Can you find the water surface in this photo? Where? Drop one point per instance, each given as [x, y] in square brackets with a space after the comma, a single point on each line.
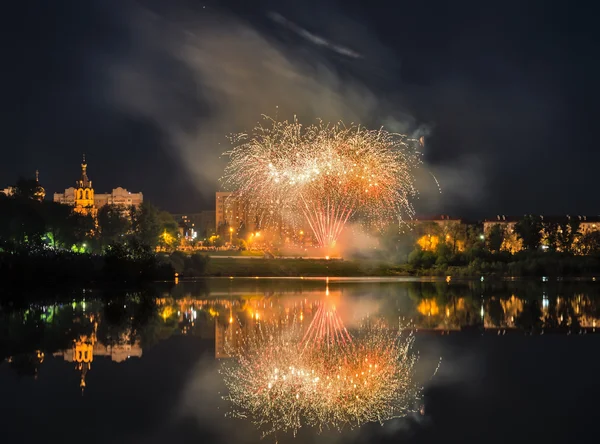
[519, 359]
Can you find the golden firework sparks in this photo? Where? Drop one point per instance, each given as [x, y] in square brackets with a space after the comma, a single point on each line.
[325, 173]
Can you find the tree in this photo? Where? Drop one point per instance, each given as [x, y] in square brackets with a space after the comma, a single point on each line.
[455, 235]
[568, 233]
[21, 222]
[59, 225]
[474, 239]
[113, 224]
[146, 225]
[551, 233]
[29, 189]
[430, 234]
[215, 241]
[529, 230]
[83, 226]
[495, 238]
[169, 231]
[590, 243]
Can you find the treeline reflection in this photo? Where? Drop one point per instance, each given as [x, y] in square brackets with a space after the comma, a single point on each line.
[119, 326]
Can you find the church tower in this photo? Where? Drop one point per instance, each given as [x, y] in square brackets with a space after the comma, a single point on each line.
[84, 193]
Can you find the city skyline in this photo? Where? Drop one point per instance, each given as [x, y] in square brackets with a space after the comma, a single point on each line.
[217, 206]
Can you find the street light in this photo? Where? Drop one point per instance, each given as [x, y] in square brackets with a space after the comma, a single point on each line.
[230, 234]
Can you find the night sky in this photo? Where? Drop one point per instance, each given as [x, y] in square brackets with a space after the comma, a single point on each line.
[505, 92]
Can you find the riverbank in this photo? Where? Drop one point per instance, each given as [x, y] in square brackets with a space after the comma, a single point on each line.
[59, 268]
[227, 266]
[121, 266]
[525, 266]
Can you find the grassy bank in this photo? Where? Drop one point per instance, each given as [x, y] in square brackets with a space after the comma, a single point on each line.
[301, 267]
[544, 265]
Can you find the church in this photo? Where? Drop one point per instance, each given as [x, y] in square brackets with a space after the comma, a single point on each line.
[86, 201]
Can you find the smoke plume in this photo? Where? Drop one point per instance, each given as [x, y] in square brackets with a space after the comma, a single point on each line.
[200, 76]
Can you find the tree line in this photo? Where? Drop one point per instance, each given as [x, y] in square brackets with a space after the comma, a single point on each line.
[28, 223]
[532, 246]
[533, 232]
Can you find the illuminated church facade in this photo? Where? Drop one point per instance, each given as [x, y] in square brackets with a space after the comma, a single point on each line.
[86, 201]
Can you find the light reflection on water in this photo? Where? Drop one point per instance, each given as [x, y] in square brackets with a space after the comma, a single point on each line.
[118, 325]
[88, 329]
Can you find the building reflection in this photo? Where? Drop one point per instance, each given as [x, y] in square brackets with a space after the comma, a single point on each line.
[118, 329]
[87, 346]
[426, 312]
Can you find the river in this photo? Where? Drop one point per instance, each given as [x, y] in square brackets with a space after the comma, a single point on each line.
[499, 361]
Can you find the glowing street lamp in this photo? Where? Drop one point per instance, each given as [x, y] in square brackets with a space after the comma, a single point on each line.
[230, 234]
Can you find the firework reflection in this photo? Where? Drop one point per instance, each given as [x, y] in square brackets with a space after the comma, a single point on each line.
[286, 373]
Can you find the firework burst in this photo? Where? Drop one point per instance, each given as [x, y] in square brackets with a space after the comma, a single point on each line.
[281, 385]
[324, 173]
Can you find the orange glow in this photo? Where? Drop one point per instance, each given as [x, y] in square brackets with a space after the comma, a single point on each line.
[428, 242]
[166, 313]
[428, 307]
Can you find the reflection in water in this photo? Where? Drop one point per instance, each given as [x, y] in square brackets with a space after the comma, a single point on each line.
[76, 332]
[85, 347]
[120, 325]
[288, 373]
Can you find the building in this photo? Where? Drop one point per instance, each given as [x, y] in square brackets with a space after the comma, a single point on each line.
[119, 196]
[85, 347]
[587, 224]
[441, 220]
[226, 209]
[85, 200]
[202, 223]
[8, 191]
[506, 222]
[232, 212]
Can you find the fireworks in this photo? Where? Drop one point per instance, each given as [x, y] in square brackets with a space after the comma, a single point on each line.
[281, 384]
[324, 173]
